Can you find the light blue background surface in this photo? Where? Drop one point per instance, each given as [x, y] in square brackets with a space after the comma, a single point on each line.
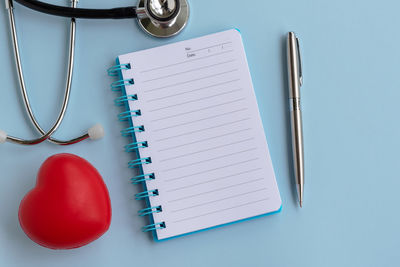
[351, 132]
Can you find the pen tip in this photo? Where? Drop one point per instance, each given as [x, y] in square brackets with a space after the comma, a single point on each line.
[300, 194]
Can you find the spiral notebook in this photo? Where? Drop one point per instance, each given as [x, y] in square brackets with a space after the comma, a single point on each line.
[197, 133]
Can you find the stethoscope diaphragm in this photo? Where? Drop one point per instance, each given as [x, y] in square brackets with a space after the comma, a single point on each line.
[163, 18]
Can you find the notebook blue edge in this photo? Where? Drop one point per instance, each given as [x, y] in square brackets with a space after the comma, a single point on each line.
[151, 221]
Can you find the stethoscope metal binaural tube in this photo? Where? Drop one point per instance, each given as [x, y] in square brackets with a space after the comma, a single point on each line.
[160, 18]
[46, 136]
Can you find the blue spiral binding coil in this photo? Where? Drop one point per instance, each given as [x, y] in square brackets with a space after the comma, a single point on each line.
[117, 86]
[151, 210]
[136, 145]
[137, 162]
[146, 194]
[131, 131]
[142, 178]
[154, 226]
[114, 70]
[120, 101]
[124, 116]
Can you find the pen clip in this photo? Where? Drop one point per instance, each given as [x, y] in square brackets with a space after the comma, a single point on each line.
[300, 63]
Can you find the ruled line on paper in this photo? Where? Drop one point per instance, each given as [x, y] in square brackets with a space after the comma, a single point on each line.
[210, 170]
[205, 150]
[187, 71]
[202, 140]
[190, 91]
[187, 61]
[217, 211]
[215, 190]
[196, 100]
[189, 81]
[213, 180]
[202, 130]
[203, 119]
[200, 109]
[210, 159]
[220, 199]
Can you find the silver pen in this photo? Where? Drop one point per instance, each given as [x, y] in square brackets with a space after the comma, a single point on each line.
[295, 82]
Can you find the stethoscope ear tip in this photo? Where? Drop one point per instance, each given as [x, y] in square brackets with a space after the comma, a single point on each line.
[95, 132]
[3, 137]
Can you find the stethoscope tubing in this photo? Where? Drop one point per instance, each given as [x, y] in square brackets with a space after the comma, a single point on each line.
[45, 135]
[80, 13]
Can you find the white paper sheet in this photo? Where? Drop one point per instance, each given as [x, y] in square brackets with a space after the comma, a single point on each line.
[206, 140]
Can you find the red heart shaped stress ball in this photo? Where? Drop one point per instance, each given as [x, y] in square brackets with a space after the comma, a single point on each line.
[69, 206]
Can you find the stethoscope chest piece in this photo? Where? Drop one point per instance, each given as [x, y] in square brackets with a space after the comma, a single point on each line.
[162, 18]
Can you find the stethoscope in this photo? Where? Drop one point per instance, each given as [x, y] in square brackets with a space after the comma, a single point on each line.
[159, 18]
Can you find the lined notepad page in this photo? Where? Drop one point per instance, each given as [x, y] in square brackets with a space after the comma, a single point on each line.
[205, 136]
